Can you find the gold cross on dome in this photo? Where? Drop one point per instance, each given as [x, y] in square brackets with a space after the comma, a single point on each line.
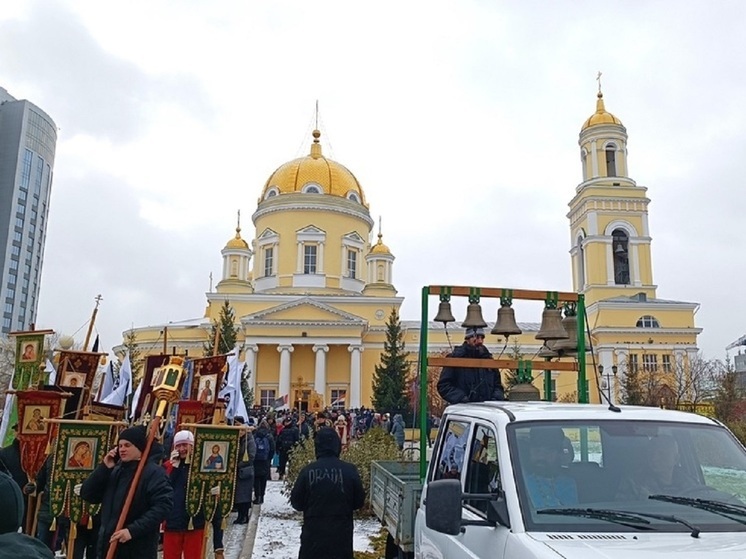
[598, 79]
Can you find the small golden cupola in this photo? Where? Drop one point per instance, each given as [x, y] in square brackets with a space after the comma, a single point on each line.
[380, 269]
[314, 174]
[603, 147]
[236, 264]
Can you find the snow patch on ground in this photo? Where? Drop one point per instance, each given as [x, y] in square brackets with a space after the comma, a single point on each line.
[278, 532]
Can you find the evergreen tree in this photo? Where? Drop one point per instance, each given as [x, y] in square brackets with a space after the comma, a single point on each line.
[136, 360]
[228, 334]
[633, 391]
[511, 377]
[225, 324]
[390, 377]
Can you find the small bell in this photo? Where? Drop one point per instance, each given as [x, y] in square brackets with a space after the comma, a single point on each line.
[551, 325]
[506, 324]
[444, 313]
[547, 351]
[569, 345]
[474, 317]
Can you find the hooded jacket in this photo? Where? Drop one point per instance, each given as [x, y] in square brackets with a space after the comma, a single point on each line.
[327, 491]
[151, 504]
[12, 544]
[397, 430]
[461, 384]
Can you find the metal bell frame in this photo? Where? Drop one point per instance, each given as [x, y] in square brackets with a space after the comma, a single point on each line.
[475, 294]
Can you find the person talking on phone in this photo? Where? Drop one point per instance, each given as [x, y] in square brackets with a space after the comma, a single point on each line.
[109, 484]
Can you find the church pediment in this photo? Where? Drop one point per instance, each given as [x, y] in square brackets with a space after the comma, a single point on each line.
[305, 310]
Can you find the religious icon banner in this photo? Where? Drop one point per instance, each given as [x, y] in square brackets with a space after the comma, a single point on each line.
[208, 378]
[213, 464]
[191, 411]
[29, 354]
[81, 446]
[35, 407]
[77, 369]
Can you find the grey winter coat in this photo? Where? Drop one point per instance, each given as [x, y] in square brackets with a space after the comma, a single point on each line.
[397, 430]
[245, 471]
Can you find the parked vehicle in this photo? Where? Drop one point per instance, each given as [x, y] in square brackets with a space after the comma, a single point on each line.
[535, 480]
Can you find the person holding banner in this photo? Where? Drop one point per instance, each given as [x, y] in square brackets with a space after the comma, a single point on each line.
[13, 544]
[179, 540]
[109, 484]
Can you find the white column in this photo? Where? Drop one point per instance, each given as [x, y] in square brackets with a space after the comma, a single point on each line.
[285, 351]
[250, 360]
[609, 263]
[634, 264]
[319, 380]
[594, 159]
[299, 265]
[355, 374]
[320, 264]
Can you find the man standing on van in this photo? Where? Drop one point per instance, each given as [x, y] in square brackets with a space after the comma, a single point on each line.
[465, 384]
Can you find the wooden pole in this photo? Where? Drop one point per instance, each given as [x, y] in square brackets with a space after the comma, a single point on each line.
[152, 433]
[165, 340]
[91, 323]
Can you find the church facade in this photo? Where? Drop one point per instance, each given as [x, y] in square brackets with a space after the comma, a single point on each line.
[313, 288]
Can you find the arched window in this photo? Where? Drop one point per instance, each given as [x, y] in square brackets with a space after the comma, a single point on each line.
[611, 160]
[620, 249]
[648, 321]
[312, 188]
[271, 193]
[584, 160]
[581, 264]
[354, 197]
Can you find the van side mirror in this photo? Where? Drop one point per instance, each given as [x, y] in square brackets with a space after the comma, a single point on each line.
[443, 506]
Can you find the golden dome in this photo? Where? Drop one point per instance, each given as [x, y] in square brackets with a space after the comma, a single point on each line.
[601, 116]
[237, 241]
[379, 247]
[314, 170]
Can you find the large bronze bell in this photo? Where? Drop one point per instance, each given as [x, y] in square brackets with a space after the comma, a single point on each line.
[506, 324]
[551, 326]
[524, 392]
[569, 345]
[547, 351]
[474, 317]
[444, 313]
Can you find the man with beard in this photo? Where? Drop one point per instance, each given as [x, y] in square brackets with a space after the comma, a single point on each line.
[547, 483]
[470, 384]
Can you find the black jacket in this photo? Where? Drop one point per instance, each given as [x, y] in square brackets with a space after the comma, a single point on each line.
[10, 463]
[288, 438]
[152, 502]
[327, 491]
[461, 384]
[262, 467]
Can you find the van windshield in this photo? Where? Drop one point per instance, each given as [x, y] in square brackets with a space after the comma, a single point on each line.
[614, 469]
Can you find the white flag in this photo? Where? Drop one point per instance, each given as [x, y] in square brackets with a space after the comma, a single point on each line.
[119, 395]
[49, 368]
[228, 389]
[107, 384]
[135, 400]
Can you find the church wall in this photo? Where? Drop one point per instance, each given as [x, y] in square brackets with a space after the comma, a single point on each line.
[267, 366]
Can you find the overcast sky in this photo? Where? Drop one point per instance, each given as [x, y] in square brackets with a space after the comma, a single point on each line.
[460, 119]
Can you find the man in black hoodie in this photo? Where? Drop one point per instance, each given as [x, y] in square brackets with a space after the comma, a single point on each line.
[109, 484]
[465, 384]
[12, 544]
[327, 491]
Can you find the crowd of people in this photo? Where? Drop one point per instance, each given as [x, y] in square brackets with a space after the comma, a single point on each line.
[158, 516]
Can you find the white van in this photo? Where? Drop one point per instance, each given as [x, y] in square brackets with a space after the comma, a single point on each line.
[535, 480]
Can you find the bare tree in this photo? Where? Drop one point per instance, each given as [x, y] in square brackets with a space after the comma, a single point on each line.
[691, 379]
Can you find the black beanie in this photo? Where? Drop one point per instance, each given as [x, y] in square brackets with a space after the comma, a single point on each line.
[137, 435]
[11, 503]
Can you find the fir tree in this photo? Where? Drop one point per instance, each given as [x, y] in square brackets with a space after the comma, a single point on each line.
[130, 342]
[633, 392]
[390, 377]
[228, 334]
[511, 377]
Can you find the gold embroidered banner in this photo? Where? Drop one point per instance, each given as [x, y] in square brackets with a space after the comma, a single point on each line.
[29, 371]
[35, 407]
[81, 446]
[213, 464]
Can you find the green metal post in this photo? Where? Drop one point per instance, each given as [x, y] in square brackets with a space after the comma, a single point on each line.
[582, 384]
[547, 385]
[423, 384]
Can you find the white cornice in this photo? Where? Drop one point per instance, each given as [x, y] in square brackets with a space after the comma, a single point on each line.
[312, 202]
[649, 331]
[331, 299]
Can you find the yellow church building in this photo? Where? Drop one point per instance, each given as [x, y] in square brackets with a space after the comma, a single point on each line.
[313, 288]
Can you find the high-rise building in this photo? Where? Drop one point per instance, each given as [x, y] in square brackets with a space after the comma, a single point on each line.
[28, 137]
